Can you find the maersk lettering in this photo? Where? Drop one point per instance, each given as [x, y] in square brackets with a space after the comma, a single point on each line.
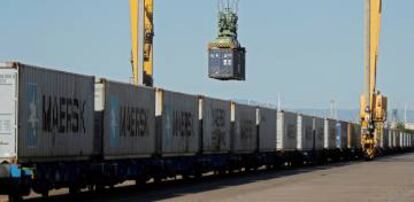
[63, 115]
[134, 122]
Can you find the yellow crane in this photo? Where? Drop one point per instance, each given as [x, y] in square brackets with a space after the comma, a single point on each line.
[373, 109]
[142, 41]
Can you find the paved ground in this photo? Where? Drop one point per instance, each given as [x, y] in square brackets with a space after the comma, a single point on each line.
[387, 179]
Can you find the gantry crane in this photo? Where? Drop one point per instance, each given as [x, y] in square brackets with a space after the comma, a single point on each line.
[373, 109]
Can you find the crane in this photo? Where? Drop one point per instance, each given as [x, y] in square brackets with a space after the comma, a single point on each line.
[373, 105]
[142, 15]
[229, 65]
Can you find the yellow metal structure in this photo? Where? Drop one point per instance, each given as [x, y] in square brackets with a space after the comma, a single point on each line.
[373, 105]
[142, 34]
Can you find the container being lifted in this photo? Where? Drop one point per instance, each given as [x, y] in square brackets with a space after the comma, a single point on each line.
[226, 56]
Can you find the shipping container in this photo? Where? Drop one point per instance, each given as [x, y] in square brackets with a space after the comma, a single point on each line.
[341, 134]
[351, 131]
[216, 124]
[390, 138]
[286, 131]
[318, 127]
[305, 135]
[397, 139]
[177, 123]
[385, 138]
[227, 63]
[267, 129]
[125, 119]
[244, 137]
[45, 115]
[394, 135]
[356, 137]
[330, 134]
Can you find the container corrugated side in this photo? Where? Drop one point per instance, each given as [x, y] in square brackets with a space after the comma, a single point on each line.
[305, 140]
[341, 134]
[128, 121]
[384, 142]
[55, 115]
[356, 139]
[397, 139]
[319, 132]
[390, 138]
[177, 127]
[216, 124]
[330, 134]
[286, 131]
[267, 129]
[244, 137]
[350, 134]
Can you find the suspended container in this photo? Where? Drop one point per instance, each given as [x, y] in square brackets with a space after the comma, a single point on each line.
[226, 57]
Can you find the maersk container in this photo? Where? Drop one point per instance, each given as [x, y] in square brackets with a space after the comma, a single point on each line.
[177, 123]
[397, 139]
[392, 139]
[350, 135]
[267, 129]
[305, 135]
[216, 126]
[125, 116]
[318, 126]
[244, 137]
[385, 139]
[356, 137]
[45, 115]
[330, 134]
[341, 134]
[286, 131]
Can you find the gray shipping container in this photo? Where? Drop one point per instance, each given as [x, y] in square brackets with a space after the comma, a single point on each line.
[319, 132]
[341, 134]
[125, 116]
[45, 115]
[384, 141]
[244, 137]
[356, 137]
[177, 123]
[330, 134]
[215, 116]
[286, 131]
[305, 140]
[390, 138]
[397, 139]
[267, 129]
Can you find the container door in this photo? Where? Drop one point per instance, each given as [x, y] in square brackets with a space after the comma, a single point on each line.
[7, 114]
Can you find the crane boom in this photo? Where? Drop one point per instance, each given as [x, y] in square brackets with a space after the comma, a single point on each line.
[373, 104]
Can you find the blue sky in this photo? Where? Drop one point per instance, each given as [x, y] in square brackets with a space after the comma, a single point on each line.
[308, 51]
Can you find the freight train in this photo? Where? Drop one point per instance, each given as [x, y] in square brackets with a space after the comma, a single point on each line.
[59, 129]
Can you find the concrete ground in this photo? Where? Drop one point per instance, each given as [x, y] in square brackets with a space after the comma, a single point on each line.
[386, 179]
